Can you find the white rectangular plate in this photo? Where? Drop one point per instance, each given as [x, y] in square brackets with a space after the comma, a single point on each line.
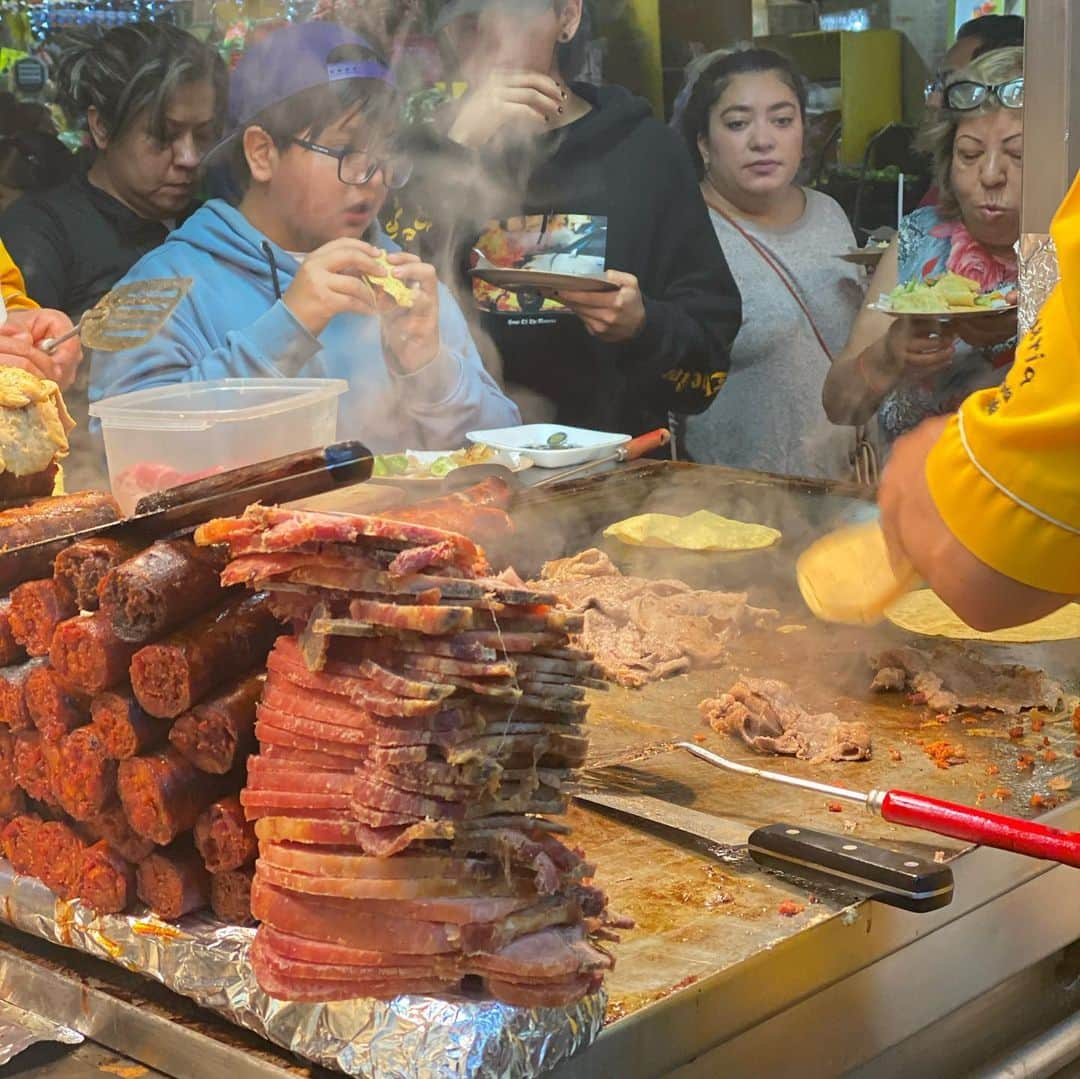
[583, 444]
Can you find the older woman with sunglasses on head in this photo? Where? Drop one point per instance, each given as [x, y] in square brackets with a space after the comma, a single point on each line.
[905, 370]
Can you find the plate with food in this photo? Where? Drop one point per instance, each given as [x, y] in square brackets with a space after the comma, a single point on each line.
[870, 255]
[542, 280]
[551, 445]
[949, 296]
[435, 465]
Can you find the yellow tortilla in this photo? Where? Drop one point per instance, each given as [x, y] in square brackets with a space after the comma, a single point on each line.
[847, 576]
[393, 286]
[924, 612]
[701, 531]
[34, 422]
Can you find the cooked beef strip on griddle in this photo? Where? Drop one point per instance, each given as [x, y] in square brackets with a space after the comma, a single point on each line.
[950, 678]
[765, 714]
[642, 630]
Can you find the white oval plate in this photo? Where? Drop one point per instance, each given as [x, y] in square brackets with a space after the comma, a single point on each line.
[941, 316]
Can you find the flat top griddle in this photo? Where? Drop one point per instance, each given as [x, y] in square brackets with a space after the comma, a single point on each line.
[697, 915]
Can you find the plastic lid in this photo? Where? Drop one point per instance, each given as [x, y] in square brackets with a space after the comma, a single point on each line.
[198, 406]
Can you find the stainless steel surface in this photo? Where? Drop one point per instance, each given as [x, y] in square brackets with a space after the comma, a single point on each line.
[704, 826]
[94, 1004]
[1051, 108]
[715, 981]
[87, 1061]
[1010, 1014]
[1042, 1057]
[21, 1029]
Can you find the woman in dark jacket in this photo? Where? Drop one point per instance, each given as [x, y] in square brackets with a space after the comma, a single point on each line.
[533, 168]
[153, 97]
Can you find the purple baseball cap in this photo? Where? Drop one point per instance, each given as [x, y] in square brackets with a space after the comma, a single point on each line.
[289, 61]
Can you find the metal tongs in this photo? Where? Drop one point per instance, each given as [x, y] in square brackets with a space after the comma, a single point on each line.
[931, 814]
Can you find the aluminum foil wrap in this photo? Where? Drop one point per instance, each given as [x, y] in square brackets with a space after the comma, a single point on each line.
[20, 1029]
[410, 1036]
[1039, 274]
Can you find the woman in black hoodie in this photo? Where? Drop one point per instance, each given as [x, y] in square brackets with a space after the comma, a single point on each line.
[530, 161]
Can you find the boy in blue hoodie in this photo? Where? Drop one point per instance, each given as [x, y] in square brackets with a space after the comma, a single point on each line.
[280, 276]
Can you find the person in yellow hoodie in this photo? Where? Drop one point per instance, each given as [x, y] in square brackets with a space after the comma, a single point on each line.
[986, 504]
[24, 326]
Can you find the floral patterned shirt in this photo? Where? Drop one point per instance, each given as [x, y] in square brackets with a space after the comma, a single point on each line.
[929, 246]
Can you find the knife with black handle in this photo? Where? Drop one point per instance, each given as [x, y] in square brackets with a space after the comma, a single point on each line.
[850, 865]
[818, 858]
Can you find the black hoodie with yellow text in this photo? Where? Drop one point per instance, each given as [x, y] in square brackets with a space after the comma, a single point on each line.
[613, 190]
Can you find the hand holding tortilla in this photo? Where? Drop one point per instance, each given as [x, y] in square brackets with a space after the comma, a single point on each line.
[848, 576]
[410, 329]
[701, 531]
[334, 280]
[394, 287]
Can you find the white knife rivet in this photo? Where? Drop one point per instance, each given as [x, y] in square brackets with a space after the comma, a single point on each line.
[792, 831]
[850, 846]
[911, 865]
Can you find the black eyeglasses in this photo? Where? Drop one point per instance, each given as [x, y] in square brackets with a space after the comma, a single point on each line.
[965, 96]
[357, 167]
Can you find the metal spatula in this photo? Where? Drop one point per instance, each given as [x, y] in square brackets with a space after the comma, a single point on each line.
[128, 316]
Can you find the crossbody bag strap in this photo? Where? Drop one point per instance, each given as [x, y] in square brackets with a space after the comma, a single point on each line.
[864, 456]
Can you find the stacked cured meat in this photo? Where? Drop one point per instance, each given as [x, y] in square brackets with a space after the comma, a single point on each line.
[127, 708]
[415, 735]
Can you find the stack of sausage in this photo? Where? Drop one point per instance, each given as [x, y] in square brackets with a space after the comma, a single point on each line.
[415, 735]
[127, 708]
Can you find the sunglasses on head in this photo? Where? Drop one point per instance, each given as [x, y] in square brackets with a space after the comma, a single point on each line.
[965, 96]
[936, 85]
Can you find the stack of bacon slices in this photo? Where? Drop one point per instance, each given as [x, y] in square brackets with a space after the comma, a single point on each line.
[415, 733]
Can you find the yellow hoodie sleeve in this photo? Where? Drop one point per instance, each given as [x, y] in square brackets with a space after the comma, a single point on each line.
[1005, 476]
[11, 283]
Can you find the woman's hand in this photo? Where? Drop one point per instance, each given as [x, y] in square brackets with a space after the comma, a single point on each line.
[411, 334]
[987, 330]
[21, 338]
[917, 348]
[610, 316]
[515, 100]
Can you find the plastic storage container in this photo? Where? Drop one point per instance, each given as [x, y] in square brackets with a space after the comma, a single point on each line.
[167, 435]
